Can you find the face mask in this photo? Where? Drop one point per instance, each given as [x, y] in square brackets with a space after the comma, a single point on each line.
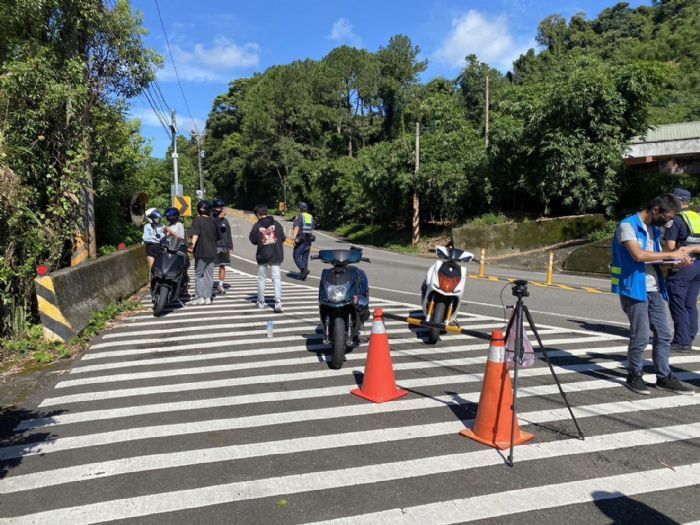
[215, 213]
[156, 220]
[661, 222]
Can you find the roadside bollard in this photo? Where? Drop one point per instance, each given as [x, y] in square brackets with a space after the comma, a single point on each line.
[482, 263]
[550, 268]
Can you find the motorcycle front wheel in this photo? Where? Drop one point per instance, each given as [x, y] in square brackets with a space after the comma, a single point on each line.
[339, 343]
[437, 317]
[161, 300]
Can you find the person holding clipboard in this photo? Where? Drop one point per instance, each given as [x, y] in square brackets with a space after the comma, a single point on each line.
[636, 277]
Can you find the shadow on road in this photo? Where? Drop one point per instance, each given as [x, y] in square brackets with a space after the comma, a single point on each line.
[619, 331]
[623, 509]
[10, 417]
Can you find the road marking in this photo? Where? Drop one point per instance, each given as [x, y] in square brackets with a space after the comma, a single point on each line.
[490, 505]
[157, 408]
[296, 361]
[294, 445]
[274, 378]
[531, 499]
[196, 427]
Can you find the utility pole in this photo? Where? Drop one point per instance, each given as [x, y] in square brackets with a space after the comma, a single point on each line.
[416, 202]
[197, 140]
[486, 115]
[173, 128]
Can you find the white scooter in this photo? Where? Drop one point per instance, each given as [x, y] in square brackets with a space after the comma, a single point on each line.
[443, 287]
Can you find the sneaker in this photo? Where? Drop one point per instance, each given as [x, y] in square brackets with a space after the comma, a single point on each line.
[278, 308]
[260, 305]
[637, 385]
[305, 274]
[221, 290]
[207, 300]
[681, 348]
[672, 384]
[198, 301]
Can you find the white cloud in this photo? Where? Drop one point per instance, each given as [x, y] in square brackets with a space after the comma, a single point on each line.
[184, 124]
[489, 39]
[211, 64]
[342, 31]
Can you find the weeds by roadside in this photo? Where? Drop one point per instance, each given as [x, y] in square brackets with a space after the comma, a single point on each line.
[33, 347]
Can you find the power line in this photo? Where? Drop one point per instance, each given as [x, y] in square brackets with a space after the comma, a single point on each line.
[172, 59]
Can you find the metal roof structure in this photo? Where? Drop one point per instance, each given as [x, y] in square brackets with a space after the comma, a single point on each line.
[668, 132]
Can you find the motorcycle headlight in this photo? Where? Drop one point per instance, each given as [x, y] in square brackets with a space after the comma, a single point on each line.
[336, 292]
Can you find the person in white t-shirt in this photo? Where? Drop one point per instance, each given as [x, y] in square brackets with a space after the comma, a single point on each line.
[175, 227]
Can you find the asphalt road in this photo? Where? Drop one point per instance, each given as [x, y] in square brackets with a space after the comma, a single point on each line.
[198, 417]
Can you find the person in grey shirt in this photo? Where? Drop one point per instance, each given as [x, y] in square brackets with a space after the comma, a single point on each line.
[637, 279]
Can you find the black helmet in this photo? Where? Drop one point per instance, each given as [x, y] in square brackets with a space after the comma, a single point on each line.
[303, 206]
[218, 203]
[204, 207]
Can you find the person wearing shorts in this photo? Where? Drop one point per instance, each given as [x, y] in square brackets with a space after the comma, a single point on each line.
[224, 247]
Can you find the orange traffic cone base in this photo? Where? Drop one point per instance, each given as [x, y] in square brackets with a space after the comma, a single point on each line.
[380, 399]
[524, 437]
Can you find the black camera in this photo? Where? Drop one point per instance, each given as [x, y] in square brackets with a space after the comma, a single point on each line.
[520, 289]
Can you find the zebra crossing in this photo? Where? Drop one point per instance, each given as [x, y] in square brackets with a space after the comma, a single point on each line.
[199, 417]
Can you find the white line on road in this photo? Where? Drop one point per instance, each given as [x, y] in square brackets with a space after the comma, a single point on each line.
[472, 508]
[301, 444]
[196, 427]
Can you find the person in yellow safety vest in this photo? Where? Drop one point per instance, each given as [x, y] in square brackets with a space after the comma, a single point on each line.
[303, 237]
[684, 283]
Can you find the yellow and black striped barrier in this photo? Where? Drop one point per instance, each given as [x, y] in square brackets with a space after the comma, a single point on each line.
[56, 326]
[415, 321]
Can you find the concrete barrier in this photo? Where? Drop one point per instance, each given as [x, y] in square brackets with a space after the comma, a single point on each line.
[68, 298]
[518, 237]
[591, 258]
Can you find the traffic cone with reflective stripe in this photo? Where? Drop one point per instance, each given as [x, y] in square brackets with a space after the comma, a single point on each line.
[379, 384]
[495, 413]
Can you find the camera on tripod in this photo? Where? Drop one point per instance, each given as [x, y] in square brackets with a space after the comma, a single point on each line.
[519, 289]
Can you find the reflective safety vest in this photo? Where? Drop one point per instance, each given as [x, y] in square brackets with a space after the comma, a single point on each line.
[692, 221]
[308, 225]
[627, 276]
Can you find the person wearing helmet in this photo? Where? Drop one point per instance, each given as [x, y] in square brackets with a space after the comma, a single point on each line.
[205, 235]
[224, 248]
[152, 234]
[175, 228]
[303, 237]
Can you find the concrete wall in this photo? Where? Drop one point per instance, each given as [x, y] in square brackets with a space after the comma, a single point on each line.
[516, 237]
[68, 298]
[591, 258]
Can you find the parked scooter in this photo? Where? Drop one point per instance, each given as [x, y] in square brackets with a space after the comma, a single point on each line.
[343, 297]
[443, 287]
[169, 274]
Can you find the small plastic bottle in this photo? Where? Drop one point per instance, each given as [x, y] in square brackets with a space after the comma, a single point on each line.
[270, 328]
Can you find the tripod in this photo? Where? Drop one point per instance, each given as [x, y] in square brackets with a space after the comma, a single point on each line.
[520, 313]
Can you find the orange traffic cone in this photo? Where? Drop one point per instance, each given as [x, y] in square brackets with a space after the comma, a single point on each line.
[495, 413]
[379, 384]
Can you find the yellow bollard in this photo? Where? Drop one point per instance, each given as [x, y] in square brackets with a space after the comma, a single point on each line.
[482, 263]
[550, 268]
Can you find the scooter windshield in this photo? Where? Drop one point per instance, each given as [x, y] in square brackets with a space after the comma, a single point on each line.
[340, 256]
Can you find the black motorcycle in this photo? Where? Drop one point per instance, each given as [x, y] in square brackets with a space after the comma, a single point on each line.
[169, 274]
[343, 300]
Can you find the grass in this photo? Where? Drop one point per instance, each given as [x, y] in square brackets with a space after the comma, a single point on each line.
[32, 346]
[394, 240]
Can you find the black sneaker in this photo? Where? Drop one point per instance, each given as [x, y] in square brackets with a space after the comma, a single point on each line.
[305, 274]
[672, 384]
[637, 385]
[681, 348]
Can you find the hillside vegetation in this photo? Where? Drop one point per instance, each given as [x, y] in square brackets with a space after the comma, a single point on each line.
[339, 132]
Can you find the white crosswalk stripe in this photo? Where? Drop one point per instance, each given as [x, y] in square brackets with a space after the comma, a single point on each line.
[203, 401]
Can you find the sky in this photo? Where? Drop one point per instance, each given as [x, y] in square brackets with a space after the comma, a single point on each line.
[216, 41]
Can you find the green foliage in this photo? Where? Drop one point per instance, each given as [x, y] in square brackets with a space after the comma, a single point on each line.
[66, 71]
[605, 232]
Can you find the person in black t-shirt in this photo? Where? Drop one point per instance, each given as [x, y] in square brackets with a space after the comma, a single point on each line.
[205, 235]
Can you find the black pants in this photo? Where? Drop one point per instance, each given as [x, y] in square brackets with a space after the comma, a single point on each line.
[301, 255]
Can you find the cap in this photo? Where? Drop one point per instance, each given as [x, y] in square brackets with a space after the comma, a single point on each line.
[682, 194]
